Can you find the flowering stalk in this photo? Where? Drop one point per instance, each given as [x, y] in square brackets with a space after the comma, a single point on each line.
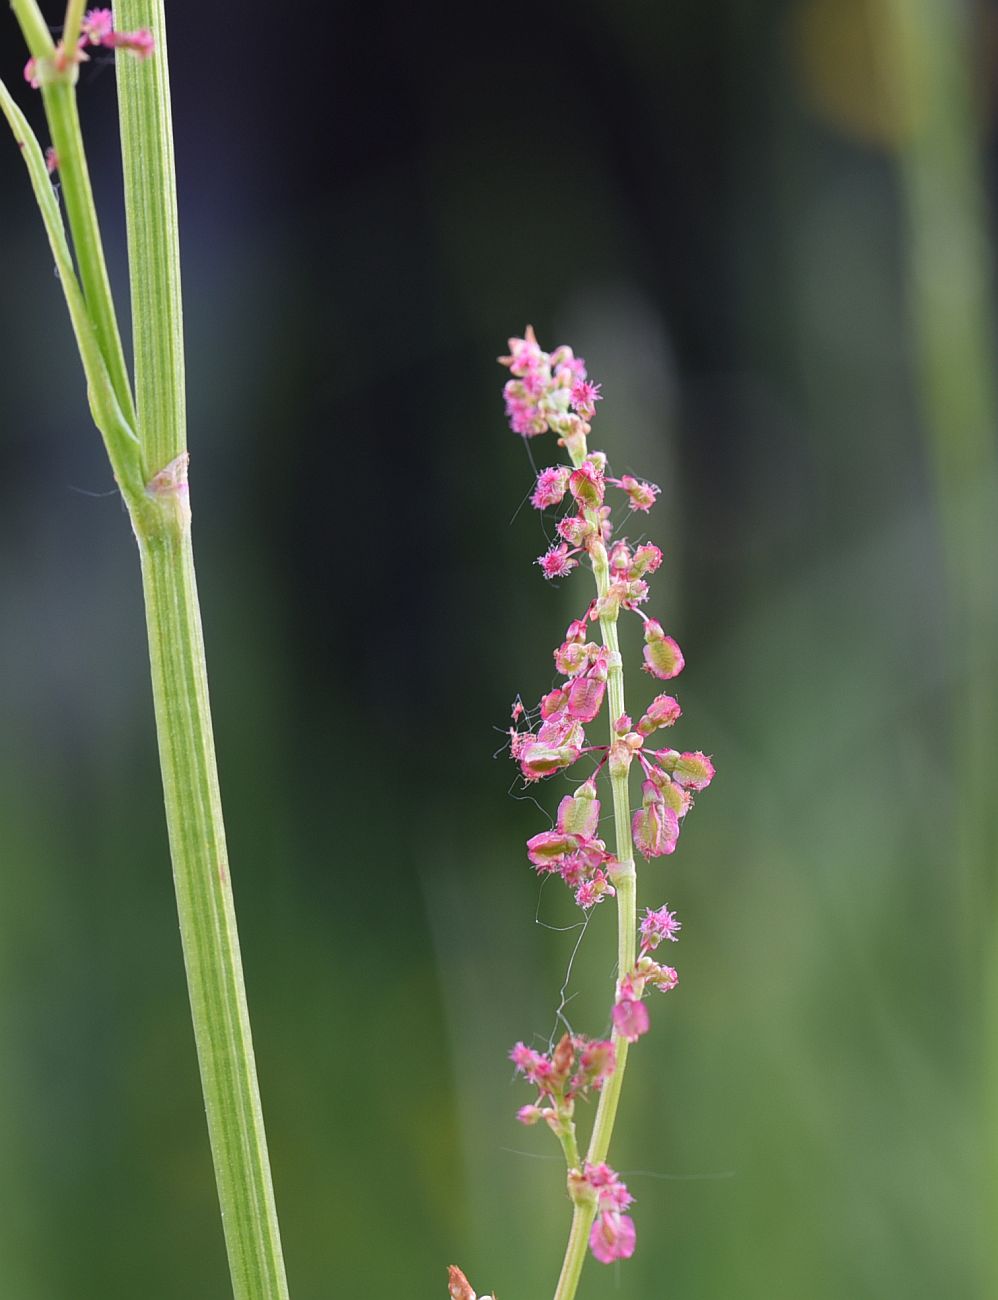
[146, 444]
[551, 392]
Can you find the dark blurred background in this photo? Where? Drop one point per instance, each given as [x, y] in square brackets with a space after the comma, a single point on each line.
[768, 227]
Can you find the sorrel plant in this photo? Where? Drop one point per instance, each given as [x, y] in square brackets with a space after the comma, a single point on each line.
[551, 392]
[144, 432]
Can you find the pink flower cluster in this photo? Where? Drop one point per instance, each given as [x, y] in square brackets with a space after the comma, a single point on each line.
[612, 1235]
[589, 523]
[96, 28]
[630, 1015]
[573, 848]
[552, 392]
[547, 391]
[575, 1066]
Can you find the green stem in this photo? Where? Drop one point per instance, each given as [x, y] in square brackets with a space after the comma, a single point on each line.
[625, 882]
[37, 36]
[78, 197]
[151, 468]
[180, 691]
[71, 26]
[58, 91]
[575, 1253]
[205, 906]
[120, 439]
[153, 236]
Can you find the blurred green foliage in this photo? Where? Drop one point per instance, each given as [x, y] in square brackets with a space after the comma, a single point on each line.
[736, 216]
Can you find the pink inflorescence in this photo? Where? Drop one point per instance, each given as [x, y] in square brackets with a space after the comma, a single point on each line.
[574, 1068]
[96, 28]
[612, 1235]
[551, 392]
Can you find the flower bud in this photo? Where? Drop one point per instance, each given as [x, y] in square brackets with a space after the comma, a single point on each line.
[458, 1285]
[563, 1056]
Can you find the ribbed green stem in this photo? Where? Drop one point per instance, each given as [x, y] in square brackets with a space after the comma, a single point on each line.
[153, 237]
[59, 97]
[150, 464]
[207, 918]
[626, 886]
[190, 782]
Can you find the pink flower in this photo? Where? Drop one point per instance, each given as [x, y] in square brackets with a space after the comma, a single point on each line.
[665, 978]
[584, 397]
[662, 712]
[529, 1114]
[31, 74]
[657, 926]
[574, 530]
[524, 417]
[97, 26]
[140, 43]
[560, 729]
[51, 160]
[663, 658]
[538, 760]
[524, 1057]
[593, 891]
[547, 849]
[566, 365]
[647, 558]
[612, 1237]
[552, 485]
[693, 771]
[642, 495]
[553, 703]
[586, 485]
[572, 657]
[655, 825]
[578, 814]
[597, 1061]
[556, 562]
[585, 698]
[525, 354]
[630, 1019]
